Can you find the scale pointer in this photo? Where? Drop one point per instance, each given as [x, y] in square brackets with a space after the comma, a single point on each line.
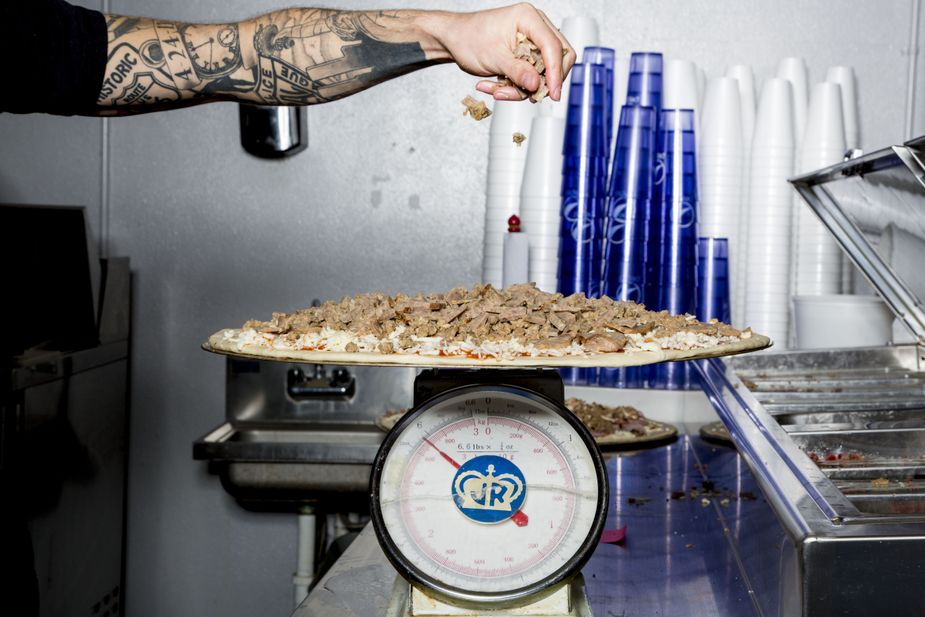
[520, 519]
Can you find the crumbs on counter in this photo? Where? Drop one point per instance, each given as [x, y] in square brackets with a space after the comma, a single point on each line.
[707, 492]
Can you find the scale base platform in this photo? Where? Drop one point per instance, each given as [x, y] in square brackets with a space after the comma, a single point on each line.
[569, 600]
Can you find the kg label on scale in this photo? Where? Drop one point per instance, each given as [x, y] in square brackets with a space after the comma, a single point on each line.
[488, 493]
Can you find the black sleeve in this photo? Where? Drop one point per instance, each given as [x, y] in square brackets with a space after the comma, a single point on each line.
[54, 55]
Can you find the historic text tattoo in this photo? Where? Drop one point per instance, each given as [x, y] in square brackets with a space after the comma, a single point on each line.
[288, 57]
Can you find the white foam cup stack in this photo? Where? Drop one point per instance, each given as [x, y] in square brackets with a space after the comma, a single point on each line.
[745, 79]
[720, 159]
[542, 175]
[701, 88]
[831, 321]
[767, 284]
[680, 85]
[817, 255]
[825, 127]
[580, 31]
[540, 199]
[681, 89]
[794, 70]
[509, 117]
[844, 77]
[506, 163]
[720, 165]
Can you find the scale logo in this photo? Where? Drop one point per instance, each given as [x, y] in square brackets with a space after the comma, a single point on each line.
[489, 489]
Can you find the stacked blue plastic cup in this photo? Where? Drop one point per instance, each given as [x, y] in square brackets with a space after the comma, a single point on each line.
[645, 80]
[644, 87]
[713, 279]
[584, 188]
[605, 56]
[584, 181]
[626, 227]
[677, 268]
[628, 205]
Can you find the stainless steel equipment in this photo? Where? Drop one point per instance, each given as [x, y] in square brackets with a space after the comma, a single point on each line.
[297, 433]
[63, 434]
[836, 439]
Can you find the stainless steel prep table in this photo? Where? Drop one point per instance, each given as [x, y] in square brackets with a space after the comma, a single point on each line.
[681, 557]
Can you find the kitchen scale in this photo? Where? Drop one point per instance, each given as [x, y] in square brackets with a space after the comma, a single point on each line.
[488, 497]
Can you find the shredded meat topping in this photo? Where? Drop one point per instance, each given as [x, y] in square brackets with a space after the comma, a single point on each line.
[528, 51]
[603, 420]
[523, 312]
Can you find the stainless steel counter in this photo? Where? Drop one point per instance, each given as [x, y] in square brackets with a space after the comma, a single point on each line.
[682, 555]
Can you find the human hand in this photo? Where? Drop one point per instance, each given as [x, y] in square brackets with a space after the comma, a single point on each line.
[483, 43]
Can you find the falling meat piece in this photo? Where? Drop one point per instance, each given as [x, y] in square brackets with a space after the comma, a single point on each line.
[477, 109]
[519, 138]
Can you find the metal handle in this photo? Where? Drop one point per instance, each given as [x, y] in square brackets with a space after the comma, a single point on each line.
[340, 384]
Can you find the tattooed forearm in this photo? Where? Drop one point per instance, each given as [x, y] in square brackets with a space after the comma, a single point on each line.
[289, 57]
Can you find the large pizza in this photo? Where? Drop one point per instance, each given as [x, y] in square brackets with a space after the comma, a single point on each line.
[483, 326]
[619, 425]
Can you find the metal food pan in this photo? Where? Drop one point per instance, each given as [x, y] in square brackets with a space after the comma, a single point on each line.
[889, 504]
[860, 418]
[859, 448]
[836, 381]
[845, 404]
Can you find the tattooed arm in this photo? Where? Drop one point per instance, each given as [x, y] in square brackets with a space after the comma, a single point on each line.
[308, 56]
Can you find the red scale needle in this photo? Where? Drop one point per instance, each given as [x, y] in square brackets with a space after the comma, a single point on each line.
[520, 519]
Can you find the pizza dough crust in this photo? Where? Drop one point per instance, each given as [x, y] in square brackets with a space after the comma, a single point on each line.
[218, 343]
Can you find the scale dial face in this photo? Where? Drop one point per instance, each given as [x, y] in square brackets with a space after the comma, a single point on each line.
[488, 494]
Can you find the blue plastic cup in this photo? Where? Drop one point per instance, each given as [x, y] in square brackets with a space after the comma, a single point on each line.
[580, 245]
[713, 280]
[605, 56]
[586, 118]
[595, 166]
[677, 278]
[644, 86]
[584, 183]
[584, 176]
[671, 376]
[625, 249]
[627, 225]
[630, 377]
[677, 243]
[633, 169]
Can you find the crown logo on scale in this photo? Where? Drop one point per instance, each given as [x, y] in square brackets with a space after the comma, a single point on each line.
[486, 491]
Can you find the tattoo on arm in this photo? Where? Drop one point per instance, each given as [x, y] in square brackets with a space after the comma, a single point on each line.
[289, 57]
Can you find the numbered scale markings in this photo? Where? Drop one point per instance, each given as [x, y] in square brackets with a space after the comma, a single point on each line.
[488, 494]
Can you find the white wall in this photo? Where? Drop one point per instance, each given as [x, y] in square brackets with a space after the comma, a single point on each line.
[388, 196]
